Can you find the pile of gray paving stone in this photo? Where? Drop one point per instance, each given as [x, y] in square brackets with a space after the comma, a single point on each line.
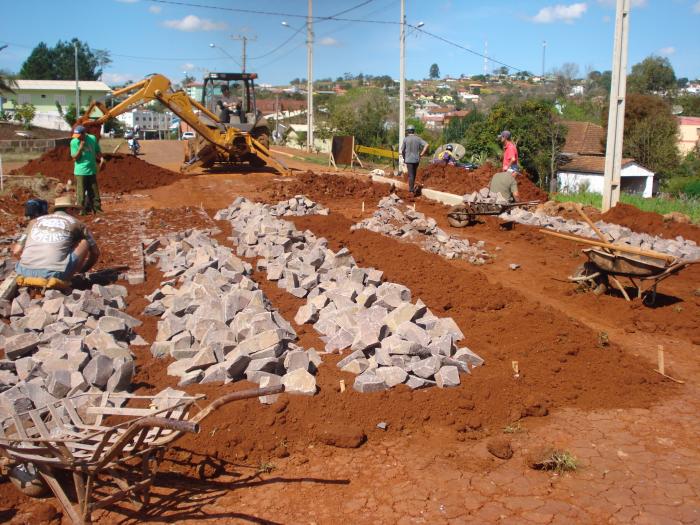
[216, 323]
[393, 218]
[60, 345]
[297, 206]
[392, 340]
[678, 247]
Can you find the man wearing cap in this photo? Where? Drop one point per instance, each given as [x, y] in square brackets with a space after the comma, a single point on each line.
[33, 208]
[85, 151]
[57, 245]
[411, 152]
[506, 184]
[510, 151]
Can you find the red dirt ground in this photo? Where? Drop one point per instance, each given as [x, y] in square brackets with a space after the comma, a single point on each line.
[120, 174]
[649, 222]
[633, 432]
[8, 132]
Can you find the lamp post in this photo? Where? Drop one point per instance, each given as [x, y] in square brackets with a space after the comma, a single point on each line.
[402, 79]
[309, 78]
[77, 84]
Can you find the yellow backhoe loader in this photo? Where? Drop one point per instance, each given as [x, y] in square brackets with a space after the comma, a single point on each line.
[217, 143]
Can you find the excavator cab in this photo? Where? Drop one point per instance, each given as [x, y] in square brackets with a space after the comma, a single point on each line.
[231, 96]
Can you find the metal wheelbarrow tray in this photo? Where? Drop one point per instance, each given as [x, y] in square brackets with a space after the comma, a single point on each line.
[107, 462]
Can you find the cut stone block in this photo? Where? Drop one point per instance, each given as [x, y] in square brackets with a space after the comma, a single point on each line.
[237, 364]
[191, 378]
[427, 368]
[204, 359]
[306, 314]
[341, 340]
[58, 383]
[98, 371]
[356, 366]
[14, 400]
[414, 333]
[269, 339]
[20, 345]
[299, 381]
[161, 348]
[369, 382]
[417, 382]
[268, 364]
[112, 325]
[357, 354]
[447, 376]
[467, 356]
[215, 374]
[296, 359]
[100, 341]
[405, 312]
[123, 374]
[391, 375]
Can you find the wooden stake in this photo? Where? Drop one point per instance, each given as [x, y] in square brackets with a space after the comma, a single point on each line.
[516, 369]
[342, 386]
[363, 206]
[660, 356]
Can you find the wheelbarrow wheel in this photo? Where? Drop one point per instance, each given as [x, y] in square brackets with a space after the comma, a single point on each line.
[27, 479]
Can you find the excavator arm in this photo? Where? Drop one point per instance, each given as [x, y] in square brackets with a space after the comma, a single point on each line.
[216, 142]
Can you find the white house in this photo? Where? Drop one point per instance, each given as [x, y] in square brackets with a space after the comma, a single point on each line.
[147, 120]
[584, 164]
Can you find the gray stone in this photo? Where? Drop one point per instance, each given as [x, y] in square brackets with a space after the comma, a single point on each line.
[204, 359]
[14, 400]
[296, 359]
[299, 381]
[161, 348]
[391, 375]
[169, 328]
[446, 326]
[414, 333]
[308, 313]
[369, 382]
[405, 312]
[357, 354]
[447, 376]
[237, 364]
[269, 380]
[98, 371]
[20, 345]
[58, 383]
[178, 368]
[130, 321]
[270, 339]
[418, 382]
[341, 340]
[52, 306]
[426, 368]
[268, 364]
[112, 325]
[467, 356]
[100, 341]
[123, 375]
[356, 366]
[191, 378]
[215, 373]
[37, 320]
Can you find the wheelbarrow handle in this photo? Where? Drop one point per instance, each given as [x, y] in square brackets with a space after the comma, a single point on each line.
[168, 423]
[237, 396]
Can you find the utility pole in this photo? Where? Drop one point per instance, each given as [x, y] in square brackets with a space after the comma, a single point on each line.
[616, 115]
[77, 85]
[402, 82]
[309, 80]
[486, 57]
[244, 39]
[544, 56]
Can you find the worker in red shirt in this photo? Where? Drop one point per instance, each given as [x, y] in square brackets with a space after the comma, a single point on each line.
[510, 150]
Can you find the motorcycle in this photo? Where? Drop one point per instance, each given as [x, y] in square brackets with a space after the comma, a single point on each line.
[133, 142]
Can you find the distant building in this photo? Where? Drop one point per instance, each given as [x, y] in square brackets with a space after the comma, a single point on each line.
[688, 134]
[194, 90]
[576, 91]
[150, 122]
[584, 164]
[44, 94]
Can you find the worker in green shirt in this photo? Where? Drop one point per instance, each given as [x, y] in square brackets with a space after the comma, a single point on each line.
[85, 151]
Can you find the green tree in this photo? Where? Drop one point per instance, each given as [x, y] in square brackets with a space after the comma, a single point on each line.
[58, 62]
[362, 112]
[434, 72]
[690, 105]
[25, 113]
[456, 130]
[654, 74]
[651, 133]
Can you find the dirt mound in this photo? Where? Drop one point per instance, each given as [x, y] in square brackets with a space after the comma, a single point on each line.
[13, 201]
[120, 174]
[9, 132]
[649, 222]
[322, 186]
[460, 181]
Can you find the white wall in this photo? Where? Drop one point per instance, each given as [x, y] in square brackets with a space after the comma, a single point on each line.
[639, 180]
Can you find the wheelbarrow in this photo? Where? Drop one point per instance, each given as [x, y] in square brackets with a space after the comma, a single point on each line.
[462, 215]
[107, 462]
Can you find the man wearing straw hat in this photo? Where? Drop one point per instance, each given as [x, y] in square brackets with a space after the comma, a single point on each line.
[57, 245]
[85, 151]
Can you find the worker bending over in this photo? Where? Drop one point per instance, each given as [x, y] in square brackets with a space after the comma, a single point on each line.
[505, 183]
[57, 246]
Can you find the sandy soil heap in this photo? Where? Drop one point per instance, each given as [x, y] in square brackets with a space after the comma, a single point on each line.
[121, 173]
[649, 222]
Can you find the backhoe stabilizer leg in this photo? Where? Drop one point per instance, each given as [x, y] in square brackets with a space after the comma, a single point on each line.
[264, 153]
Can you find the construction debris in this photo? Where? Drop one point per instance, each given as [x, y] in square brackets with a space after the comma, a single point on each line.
[393, 340]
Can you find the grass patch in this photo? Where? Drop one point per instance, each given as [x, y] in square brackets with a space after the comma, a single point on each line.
[660, 205]
[556, 461]
[513, 428]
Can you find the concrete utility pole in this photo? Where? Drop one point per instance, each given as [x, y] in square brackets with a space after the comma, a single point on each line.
[244, 39]
[616, 115]
[402, 82]
[77, 85]
[309, 81]
[544, 56]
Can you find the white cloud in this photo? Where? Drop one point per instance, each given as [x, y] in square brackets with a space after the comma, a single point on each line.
[116, 78]
[606, 19]
[696, 8]
[328, 41]
[155, 9]
[667, 51]
[560, 13]
[128, 1]
[194, 23]
[188, 66]
[612, 3]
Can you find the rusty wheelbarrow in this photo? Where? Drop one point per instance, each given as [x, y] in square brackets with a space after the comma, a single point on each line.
[462, 215]
[108, 461]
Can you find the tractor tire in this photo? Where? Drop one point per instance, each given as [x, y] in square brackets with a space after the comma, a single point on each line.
[599, 285]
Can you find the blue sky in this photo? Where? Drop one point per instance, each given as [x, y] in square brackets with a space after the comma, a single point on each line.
[146, 36]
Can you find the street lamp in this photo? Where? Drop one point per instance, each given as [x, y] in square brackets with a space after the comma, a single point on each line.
[309, 79]
[224, 52]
